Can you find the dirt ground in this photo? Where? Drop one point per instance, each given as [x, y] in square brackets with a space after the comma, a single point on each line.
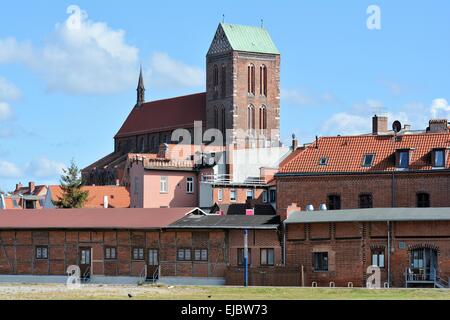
[161, 292]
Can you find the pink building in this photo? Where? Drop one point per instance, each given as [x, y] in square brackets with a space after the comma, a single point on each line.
[164, 180]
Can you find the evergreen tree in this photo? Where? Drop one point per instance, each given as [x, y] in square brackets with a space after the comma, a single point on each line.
[71, 183]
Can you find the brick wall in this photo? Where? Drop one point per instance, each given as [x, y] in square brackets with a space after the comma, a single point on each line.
[316, 189]
[237, 99]
[18, 251]
[349, 247]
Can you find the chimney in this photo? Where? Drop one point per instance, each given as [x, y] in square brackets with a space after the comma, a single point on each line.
[438, 126]
[117, 182]
[31, 187]
[105, 202]
[379, 124]
[291, 209]
[407, 127]
[18, 186]
[294, 143]
[2, 201]
[163, 151]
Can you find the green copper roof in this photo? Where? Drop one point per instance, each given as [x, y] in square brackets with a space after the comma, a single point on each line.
[249, 39]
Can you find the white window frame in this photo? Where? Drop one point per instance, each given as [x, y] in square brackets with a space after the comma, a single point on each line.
[164, 184]
[265, 197]
[220, 195]
[233, 191]
[190, 188]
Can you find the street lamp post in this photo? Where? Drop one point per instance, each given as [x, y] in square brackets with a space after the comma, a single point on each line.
[246, 258]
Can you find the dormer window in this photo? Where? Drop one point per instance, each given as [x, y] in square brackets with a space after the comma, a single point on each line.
[323, 161]
[368, 160]
[438, 158]
[402, 161]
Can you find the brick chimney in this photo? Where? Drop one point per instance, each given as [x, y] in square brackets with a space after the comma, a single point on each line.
[438, 126]
[379, 124]
[291, 209]
[163, 151]
[31, 187]
[18, 186]
[294, 143]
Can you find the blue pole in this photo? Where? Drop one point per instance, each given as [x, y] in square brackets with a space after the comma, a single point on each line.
[246, 258]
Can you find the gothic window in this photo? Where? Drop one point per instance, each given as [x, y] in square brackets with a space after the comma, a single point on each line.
[216, 118]
[251, 117]
[223, 84]
[263, 80]
[263, 118]
[251, 79]
[216, 79]
[223, 120]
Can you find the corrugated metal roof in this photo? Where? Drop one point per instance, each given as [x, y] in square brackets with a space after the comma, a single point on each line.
[375, 214]
[227, 222]
[248, 38]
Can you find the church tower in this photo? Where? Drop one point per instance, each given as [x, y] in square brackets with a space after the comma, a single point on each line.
[140, 90]
[243, 86]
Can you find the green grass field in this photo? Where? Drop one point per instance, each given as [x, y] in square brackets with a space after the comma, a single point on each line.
[145, 292]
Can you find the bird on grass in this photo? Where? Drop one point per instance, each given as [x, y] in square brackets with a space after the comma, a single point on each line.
[130, 296]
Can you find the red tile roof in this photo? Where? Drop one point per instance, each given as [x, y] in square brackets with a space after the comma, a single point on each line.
[91, 218]
[118, 196]
[165, 115]
[9, 203]
[345, 153]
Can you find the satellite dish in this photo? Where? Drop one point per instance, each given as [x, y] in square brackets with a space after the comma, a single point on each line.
[397, 126]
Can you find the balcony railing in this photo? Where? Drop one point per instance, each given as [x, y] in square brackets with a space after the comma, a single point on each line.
[227, 179]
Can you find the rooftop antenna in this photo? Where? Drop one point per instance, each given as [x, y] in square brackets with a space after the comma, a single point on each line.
[223, 18]
[262, 23]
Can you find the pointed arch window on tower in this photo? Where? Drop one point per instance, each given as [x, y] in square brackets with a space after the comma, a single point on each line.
[216, 118]
[223, 120]
[216, 80]
[251, 118]
[263, 118]
[223, 84]
[251, 79]
[263, 80]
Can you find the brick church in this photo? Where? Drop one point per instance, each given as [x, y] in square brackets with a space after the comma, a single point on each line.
[242, 101]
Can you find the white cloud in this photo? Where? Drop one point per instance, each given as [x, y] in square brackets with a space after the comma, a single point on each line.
[9, 170]
[8, 91]
[13, 51]
[166, 72]
[440, 108]
[5, 111]
[44, 168]
[302, 97]
[80, 57]
[359, 119]
[346, 124]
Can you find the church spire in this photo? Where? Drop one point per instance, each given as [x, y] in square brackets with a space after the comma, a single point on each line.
[140, 90]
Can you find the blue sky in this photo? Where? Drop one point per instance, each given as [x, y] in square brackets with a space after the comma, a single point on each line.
[64, 95]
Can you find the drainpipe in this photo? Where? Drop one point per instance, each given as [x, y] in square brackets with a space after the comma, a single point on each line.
[389, 253]
[393, 194]
[284, 244]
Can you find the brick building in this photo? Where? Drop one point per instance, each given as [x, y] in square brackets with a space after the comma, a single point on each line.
[177, 245]
[382, 169]
[410, 246]
[242, 96]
